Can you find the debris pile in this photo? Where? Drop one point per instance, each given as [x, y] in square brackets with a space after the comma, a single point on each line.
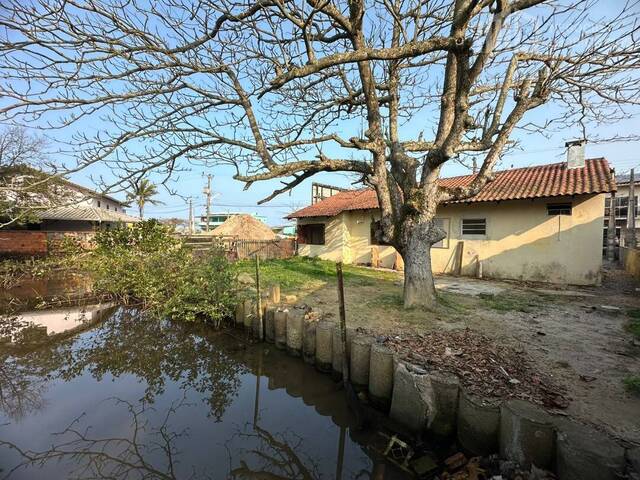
[457, 467]
[484, 367]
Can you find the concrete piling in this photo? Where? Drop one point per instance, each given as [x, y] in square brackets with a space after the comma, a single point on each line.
[249, 313]
[239, 319]
[360, 360]
[269, 324]
[380, 376]
[324, 346]
[336, 360]
[527, 435]
[478, 424]
[410, 397]
[309, 339]
[295, 328]
[280, 324]
[444, 388]
[586, 454]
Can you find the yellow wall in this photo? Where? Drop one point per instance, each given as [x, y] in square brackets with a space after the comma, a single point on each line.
[522, 241]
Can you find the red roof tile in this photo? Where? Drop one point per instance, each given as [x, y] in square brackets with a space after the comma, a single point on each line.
[541, 181]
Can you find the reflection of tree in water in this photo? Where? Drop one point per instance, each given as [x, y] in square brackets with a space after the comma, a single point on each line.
[154, 351]
[150, 451]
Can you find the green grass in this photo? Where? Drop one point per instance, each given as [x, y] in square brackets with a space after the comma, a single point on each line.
[298, 272]
[632, 384]
[633, 326]
[507, 302]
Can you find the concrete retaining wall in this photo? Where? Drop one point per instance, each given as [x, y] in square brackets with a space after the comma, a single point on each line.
[434, 402]
[630, 261]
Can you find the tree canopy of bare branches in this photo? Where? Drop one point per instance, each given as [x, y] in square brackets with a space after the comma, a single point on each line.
[388, 90]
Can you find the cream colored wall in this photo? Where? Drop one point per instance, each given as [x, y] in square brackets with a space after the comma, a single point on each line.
[335, 234]
[522, 241]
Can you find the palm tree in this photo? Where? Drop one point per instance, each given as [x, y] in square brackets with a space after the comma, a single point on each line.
[142, 192]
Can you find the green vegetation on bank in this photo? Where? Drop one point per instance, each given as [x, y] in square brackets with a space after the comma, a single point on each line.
[145, 264]
[298, 272]
[632, 384]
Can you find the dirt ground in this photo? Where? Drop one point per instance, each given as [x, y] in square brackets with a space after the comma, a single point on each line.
[569, 335]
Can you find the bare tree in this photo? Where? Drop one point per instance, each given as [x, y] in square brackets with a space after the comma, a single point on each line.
[20, 147]
[388, 90]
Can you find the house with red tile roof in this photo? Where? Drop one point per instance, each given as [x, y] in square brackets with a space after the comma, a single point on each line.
[540, 223]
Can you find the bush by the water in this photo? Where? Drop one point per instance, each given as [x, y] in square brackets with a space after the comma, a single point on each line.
[146, 264]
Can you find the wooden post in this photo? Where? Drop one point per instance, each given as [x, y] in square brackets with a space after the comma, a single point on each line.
[343, 324]
[259, 301]
[631, 234]
[611, 229]
[274, 294]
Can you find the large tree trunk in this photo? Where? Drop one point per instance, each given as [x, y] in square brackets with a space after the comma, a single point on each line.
[419, 289]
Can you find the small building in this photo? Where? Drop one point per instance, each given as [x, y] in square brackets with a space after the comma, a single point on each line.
[621, 205]
[218, 218]
[541, 223]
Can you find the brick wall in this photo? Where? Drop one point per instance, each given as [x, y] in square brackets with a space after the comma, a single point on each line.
[16, 243]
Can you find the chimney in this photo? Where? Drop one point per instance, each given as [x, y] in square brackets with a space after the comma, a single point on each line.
[575, 153]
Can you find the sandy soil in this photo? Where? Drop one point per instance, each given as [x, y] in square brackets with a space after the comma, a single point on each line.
[565, 332]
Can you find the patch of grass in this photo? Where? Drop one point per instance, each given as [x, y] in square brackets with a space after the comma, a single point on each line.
[506, 302]
[452, 302]
[299, 272]
[388, 300]
[633, 326]
[632, 384]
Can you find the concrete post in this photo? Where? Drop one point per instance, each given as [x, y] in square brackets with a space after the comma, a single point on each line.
[611, 229]
[249, 312]
[586, 454]
[527, 435]
[478, 424]
[269, 324]
[380, 376]
[295, 327]
[324, 346]
[309, 339]
[280, 322]
[239, 314]
[274, 293]
[360, 360]
[410, 398]
[336, 360]
[444, 403]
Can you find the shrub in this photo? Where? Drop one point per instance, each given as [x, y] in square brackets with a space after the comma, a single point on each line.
[147, 265]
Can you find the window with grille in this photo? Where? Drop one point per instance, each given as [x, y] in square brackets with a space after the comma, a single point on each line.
[474, 226]
[311, 234]
[558, 209]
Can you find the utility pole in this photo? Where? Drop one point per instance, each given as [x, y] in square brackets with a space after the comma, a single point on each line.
[190, 217]
[207, 192]
[631, 234]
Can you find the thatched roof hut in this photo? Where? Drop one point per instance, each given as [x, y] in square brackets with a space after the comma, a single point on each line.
[244, 227]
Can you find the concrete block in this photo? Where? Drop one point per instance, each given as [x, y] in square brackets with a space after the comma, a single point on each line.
[360, 360]
[410, 397]
[478, 424]
[583, 453]
[295, 328]
[269, 324]
[239, 319]
[280, 323]
[309, 340]
[442, 416]
[527, 434]
[336, 360]
[249, 313]
[633, 461]
[381, 376]
[324, 346]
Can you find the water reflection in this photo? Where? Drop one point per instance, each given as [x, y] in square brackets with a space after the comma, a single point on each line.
[140, 398]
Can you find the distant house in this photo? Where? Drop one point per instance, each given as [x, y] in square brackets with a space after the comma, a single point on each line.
[621, 205]
[541, 223]
[218, 218]
[62, 205]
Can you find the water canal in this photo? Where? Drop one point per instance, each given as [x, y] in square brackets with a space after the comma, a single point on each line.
[113, 394]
